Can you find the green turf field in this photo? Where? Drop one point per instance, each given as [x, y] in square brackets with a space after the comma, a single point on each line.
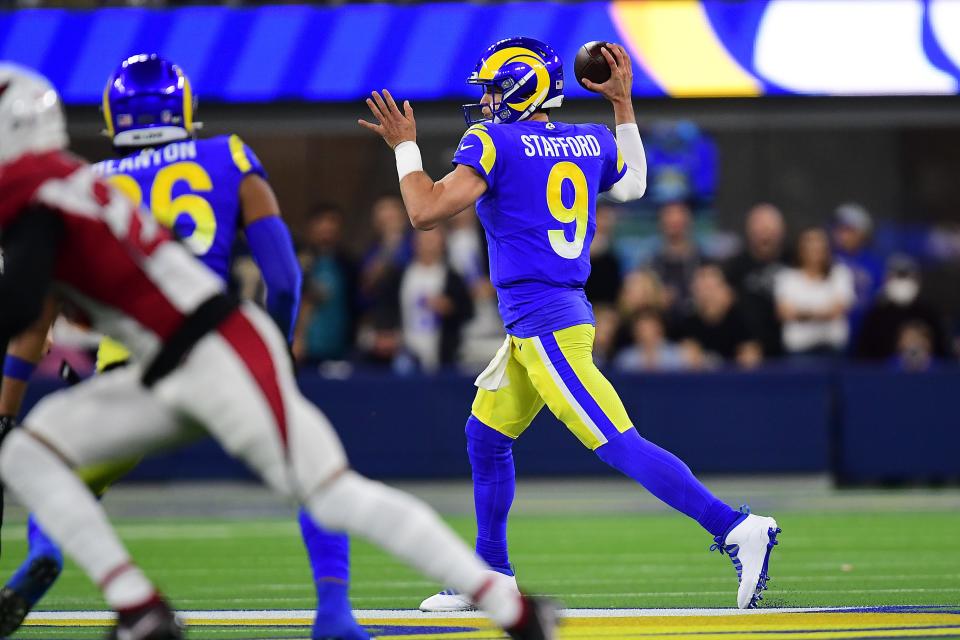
[634, 561]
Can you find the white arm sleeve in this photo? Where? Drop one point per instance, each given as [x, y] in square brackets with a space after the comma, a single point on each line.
[634, 182]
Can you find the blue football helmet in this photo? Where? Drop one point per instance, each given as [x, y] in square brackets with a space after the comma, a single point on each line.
[528, 75]
[148, 101]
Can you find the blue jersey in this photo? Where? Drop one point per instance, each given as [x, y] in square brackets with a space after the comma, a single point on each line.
[539, 215]
[192, 187]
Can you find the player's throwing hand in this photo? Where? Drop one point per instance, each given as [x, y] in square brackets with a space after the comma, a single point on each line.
[395, 126]
[619, 87]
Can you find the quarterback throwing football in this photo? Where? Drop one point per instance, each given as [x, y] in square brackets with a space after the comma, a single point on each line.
[535, 183]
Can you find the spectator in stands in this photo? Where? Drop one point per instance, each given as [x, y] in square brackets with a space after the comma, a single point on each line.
[752, 273]
[813, 300]
[717, 326]
[434, 304]
[380, 341]
[899, 304]
[915, 344]
[677, 258]
[641, 290]
[327, 323]
[852, 233]
[606, 336]
[650, 350]
[391, 248]
[606, 276]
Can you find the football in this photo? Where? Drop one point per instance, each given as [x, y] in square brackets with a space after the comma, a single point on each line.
[591, 64]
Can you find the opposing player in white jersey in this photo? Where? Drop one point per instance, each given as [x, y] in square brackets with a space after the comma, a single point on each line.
[203, 361]
[207, 190]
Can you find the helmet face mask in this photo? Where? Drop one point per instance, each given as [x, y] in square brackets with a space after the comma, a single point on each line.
[148, 101]
[31, 115]
[487, 111]
[526, 73]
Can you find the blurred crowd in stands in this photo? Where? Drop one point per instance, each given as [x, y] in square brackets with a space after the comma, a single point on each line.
[412, 301]
[666, 296]
[774, 296]
[423, 301]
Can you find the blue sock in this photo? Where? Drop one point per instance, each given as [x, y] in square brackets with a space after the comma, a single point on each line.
[494, 484]
[28, 581]
[329, 555]
[668, 478]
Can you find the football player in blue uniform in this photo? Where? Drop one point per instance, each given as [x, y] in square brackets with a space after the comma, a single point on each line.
[535, 183]
[205, 190]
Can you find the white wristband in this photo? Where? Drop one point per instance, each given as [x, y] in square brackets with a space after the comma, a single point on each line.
[408, 158]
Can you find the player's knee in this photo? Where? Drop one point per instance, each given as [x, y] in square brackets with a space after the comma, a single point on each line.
[340, 501]
[490, 452]
[625, 449]
[315, 454]
[327, 503]
[484, 438]
[351, 502]
[492, 468]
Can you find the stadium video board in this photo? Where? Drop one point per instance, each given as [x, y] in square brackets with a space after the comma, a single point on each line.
[683, 48]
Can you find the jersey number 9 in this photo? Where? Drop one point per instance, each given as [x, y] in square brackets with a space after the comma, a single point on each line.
[578, 213]
[169, 211]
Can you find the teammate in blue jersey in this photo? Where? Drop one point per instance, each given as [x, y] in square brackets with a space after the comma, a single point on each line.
[535, 183]
[205, 190]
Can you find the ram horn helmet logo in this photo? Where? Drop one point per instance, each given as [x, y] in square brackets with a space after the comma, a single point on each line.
[538, 70]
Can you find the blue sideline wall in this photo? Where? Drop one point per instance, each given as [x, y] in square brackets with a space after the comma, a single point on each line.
[867, 425]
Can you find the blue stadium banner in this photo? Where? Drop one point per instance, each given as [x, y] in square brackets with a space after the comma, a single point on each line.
[682, 48]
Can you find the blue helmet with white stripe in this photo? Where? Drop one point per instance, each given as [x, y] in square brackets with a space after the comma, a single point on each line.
[526, 73]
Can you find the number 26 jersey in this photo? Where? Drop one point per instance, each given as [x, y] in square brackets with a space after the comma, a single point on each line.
[191, 187]
[539, 215]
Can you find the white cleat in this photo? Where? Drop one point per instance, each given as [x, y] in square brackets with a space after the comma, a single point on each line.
[450, 600]
[446, 601]
[749, 545]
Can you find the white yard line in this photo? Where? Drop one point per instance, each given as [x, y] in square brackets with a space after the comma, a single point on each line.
[306, 615]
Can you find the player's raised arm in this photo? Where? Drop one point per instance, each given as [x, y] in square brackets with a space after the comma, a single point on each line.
[428, 203]
[618, 90]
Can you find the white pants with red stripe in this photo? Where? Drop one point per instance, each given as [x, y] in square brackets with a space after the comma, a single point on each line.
[237, 383]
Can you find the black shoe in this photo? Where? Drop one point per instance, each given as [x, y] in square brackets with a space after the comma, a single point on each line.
[538, 620]
[13, 609]
[14, 603]
[151, 621]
